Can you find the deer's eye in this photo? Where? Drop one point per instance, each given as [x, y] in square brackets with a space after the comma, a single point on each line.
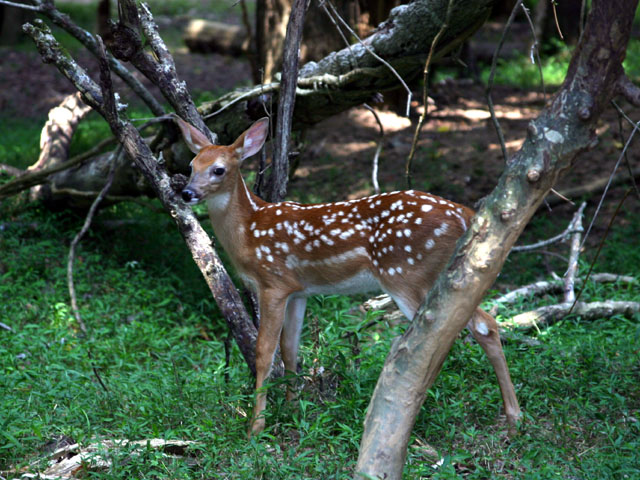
[218, 171]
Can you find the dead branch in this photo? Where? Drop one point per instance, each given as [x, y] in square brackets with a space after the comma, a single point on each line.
[30, 178]
[425, 94]
[376, 155]
[10, 170]
[80, 234]
[277, 186]
[570, 275]
[47, 8]
[594, 187]
[544, 287]
[138, 151]
[494, 64]
[57, 133]
[570, 230]
[628, 90]
[75, 461]
[549, 314]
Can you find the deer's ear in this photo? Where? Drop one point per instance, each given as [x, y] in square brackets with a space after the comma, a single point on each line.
[194, 138]
[251, 141]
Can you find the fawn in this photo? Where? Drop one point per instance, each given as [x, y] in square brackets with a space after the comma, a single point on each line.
[396, 242]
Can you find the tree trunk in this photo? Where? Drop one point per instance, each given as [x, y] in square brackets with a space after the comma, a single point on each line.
[561, 131]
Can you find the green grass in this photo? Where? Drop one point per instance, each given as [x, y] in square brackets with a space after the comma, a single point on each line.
[146, 307]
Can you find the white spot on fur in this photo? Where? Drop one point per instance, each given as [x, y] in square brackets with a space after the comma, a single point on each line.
[442, 230]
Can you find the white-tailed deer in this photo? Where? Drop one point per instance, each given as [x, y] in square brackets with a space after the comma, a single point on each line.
[397, 242]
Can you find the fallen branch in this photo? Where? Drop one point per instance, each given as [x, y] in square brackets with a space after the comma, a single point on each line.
[10, 170]
[549, 314]
[74, 461]
[541, 288]
[570, 275]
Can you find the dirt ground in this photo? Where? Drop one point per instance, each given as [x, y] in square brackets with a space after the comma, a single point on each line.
[458, 157]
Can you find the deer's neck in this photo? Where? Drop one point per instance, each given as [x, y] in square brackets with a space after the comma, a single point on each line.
[230, 213]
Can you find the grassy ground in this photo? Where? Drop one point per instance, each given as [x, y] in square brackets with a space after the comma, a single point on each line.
[150, 319]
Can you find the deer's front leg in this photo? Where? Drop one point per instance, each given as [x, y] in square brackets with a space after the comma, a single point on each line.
[485, 330]
[272, 312]
[290, 337]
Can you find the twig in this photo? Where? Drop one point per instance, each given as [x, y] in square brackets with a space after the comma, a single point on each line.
[606, 188]
[571, 229]
[78, 237]
[604, 237]
[280, 175]
[254, 92]
[374, 169]
[374, 54]
[6, 327]
[33, 8]
[570, 275]
[494, 63]
[555, 17]
[534, 48]
[425, 93]
[621, 115]
[561, 196]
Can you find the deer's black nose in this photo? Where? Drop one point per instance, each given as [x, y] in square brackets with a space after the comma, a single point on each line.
[188, 195]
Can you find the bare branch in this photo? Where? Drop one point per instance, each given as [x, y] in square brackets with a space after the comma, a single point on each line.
[373, 53]
[549, 314]
[628, 90]
[280, 175]
[376, 156]
[33, 8]
[425, 91]
[571, 229]
[494, 64]
[544, 287]
[570, 275]
[62, 20]
[81, 233]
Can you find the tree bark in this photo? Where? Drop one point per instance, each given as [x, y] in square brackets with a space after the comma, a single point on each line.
[561, 131]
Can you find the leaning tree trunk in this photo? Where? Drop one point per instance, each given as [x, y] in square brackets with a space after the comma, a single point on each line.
[561, 131]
